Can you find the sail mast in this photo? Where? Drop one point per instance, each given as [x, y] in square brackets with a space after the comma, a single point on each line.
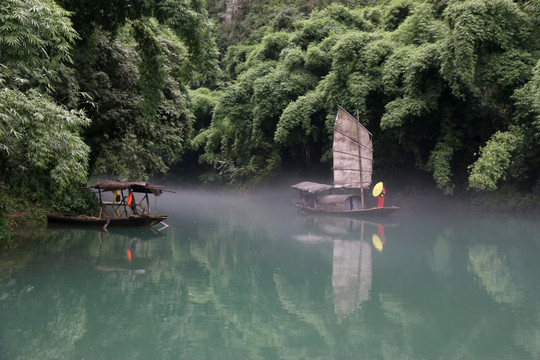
[358, 136]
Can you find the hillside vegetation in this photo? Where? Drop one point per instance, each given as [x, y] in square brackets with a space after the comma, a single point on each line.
[449, 88]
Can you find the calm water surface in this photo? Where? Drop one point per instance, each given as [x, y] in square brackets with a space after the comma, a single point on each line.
[237, 277]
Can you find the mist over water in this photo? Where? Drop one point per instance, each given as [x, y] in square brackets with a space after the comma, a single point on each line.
[243, 275]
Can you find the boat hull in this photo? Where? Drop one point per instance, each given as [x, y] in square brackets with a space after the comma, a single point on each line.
[357, 212]
[131, 221]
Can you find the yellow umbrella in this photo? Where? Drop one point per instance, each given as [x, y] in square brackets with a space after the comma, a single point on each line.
[377, 242]
[377, 189]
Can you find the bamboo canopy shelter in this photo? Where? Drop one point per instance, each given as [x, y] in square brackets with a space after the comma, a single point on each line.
[136, 186]
[120, 209]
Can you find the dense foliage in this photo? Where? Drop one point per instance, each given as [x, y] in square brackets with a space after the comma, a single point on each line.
[104, 94]
[139, 112]
[131, 89]
[247, 20]
[41, 150]
[445, 87]
[134, 62]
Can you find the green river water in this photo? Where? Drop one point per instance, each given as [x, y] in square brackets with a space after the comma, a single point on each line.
[246, 277]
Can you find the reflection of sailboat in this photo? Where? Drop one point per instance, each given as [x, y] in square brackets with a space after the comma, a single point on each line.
[351, 258]
[351, 274]
[324, 229]
[353, 160]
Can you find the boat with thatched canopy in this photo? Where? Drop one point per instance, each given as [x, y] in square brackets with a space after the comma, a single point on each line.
[119, 206]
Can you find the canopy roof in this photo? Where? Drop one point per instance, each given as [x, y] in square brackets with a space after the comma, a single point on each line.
[135, 186]
[311, 187]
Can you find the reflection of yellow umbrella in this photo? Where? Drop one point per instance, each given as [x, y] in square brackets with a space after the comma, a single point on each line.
[377, 242]
[377, 189]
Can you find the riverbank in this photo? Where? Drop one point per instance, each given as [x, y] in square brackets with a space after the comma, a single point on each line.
[19, 218]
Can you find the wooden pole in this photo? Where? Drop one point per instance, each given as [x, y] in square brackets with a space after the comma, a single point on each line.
[100, 203]
[124, 201]
[360, 159]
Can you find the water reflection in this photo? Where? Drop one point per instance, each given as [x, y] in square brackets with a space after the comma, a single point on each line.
[351, 256]
[494, 274]
[55, 300]
[351, 275]
[119, 249]
[243, 283]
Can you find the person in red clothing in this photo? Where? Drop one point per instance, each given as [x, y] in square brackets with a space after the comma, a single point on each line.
[380, 199]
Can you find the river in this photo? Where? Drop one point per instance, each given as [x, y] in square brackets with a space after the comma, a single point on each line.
[246, 277]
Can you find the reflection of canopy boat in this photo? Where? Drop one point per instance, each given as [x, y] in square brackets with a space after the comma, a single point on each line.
[121, 249]
[353, 160]
[121, 210]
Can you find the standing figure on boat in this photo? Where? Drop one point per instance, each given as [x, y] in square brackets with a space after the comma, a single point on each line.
[379, 191]
[132, 203]
[380, 198]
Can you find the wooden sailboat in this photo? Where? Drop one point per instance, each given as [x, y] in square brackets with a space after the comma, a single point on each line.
[353, 162]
